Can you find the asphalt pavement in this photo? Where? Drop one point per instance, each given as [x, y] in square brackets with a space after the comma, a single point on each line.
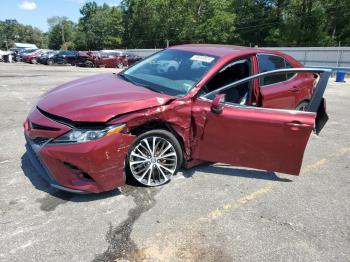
[207, 213]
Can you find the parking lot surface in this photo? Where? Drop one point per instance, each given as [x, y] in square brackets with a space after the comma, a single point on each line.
[207, 213]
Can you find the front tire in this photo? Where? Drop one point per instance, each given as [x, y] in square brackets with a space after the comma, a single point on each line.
[154, 158]
[120, 65]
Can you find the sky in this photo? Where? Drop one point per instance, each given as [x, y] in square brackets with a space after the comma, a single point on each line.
[36, 12]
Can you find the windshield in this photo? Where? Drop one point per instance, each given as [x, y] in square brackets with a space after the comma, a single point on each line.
[171, 72]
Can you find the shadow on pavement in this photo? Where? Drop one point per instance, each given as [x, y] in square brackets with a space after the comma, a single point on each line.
[227, 170]
[39, 183]
[56, 197]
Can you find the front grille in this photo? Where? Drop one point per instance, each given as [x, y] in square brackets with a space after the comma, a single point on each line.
[41, 169]
[40, 140]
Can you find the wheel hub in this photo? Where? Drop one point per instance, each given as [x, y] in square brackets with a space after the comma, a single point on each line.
[153, 161]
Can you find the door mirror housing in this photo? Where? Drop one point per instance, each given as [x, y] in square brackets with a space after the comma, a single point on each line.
[218, 103]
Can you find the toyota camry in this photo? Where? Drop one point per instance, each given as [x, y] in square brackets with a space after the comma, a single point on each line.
[177, 108]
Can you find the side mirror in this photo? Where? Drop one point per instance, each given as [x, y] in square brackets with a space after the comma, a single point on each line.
[217, 104]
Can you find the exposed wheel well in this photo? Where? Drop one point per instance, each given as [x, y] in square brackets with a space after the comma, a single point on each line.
[304, 100]
[157, 125]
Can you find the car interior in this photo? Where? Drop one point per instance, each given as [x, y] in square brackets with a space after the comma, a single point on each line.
[231, 73]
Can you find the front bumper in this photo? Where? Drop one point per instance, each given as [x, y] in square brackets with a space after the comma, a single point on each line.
[89, 167]
[42, 170]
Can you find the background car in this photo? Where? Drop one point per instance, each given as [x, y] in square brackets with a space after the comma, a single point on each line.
[34, 56]
[64, 57]
[130, 59]
[88, 58]
[46, 59]
[23, 52]
[118, 59]
[110, 60]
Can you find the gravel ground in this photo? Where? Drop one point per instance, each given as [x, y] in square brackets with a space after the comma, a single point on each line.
[207, 213]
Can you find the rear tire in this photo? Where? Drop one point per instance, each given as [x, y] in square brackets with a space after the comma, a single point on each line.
[49, 62]
[154, 158]
[302, 106]
[34, 61]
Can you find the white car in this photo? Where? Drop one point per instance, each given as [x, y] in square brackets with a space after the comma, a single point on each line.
[164, 66]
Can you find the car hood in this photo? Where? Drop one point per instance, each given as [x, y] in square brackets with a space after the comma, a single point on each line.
[98, 98]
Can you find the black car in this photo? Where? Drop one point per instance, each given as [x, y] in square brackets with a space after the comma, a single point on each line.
[64, 57]
[47, 59]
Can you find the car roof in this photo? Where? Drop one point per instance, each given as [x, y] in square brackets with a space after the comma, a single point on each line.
[223, 50]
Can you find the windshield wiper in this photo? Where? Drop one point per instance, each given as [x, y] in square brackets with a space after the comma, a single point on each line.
[126, 78]
[150, 88]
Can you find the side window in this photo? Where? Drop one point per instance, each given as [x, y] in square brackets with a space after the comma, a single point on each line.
[270, 63]
[289, 75]
[234, 71]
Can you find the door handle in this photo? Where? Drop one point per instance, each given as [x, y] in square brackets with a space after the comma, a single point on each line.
[295, 125]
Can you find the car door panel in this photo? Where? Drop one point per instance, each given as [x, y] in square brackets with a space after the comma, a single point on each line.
[277, 91]
[258, 138]
[281, 95]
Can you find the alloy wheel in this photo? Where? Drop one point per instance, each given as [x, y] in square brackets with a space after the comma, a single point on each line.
[153, 161]
[302, 106]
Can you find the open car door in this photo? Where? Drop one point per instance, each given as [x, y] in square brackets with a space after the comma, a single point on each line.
[261, 138]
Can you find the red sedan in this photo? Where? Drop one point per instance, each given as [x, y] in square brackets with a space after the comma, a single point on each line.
[33, 57]
[179, 107]
[117, 59]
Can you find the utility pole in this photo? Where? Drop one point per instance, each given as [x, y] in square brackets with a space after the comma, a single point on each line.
[7, 47]
[338, 55]
[62, 31]
[167, 43]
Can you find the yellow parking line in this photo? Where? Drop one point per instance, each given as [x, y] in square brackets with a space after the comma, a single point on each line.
[220, 211]
[241, 201]
[314, 166]
[169, 249]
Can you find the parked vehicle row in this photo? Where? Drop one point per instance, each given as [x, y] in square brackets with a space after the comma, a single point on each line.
[103, 58]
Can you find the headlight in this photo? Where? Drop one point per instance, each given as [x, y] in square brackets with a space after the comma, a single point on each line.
[85, 135]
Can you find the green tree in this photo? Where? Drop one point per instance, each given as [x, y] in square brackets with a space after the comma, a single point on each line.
[149, 23]
[337, 15]
[99, 27]
[61, 30]
[11, 31]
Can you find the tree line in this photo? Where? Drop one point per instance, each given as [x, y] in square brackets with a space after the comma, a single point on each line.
[157, 23]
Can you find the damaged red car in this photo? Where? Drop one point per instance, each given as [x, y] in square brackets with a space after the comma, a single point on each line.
[179, 107]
